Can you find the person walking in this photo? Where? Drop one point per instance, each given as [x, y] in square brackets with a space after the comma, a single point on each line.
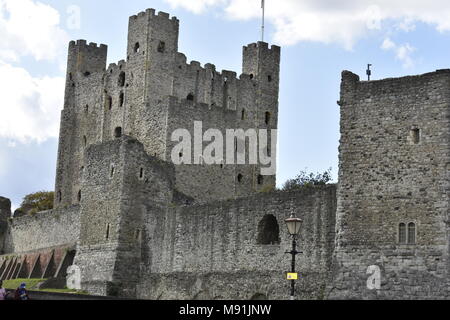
[2, 291]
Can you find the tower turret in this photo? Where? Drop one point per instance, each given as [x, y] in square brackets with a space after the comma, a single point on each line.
[263, 65]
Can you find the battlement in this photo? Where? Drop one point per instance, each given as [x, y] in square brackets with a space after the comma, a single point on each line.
[261, 61]
[115, 67]
[183, 64]
[263, 46]
[86, 58]
[412, 86]
[352, 77]
[150, 13]
[83, 43]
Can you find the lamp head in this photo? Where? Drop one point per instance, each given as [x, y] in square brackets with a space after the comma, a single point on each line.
[294, 224]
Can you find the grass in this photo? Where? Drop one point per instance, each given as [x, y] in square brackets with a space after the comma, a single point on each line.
[31, 286]
[14, 284]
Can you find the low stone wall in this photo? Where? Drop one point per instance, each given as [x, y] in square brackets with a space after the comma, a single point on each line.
[45, 229]
[217, 246]
[405, 273]
[239, 285]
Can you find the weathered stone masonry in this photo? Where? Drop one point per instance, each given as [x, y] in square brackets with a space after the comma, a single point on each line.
[394, 168]
[145, 228]
[136, 97]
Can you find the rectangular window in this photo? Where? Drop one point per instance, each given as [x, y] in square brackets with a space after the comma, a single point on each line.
[402, 233]
[415, 135]
[412, 233]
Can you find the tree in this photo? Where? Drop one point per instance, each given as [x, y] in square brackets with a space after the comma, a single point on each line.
[305, 180]
[36, 202]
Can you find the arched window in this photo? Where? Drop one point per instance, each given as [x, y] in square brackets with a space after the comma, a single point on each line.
[59, 196]
[411, 233]
[84, 141]
[141, 173]
[121, 81]
[269, 78]
[137, 47]
[243, 114]
[79, 196]
[118, 132]
[402, 233]
[268, 230]
[240, 177]
[190, 97]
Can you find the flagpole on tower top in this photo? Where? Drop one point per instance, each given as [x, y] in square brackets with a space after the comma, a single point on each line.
[263, 4]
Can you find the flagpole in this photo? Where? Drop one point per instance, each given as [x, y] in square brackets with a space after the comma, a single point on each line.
[263, 18]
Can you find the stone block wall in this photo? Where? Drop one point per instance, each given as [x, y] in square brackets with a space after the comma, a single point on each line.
[216, 248]
[394, 169]
[43, 230]
[129, 98]
[5, 213]
[120, 181]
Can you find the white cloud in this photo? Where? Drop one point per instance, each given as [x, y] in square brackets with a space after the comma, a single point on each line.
[196, 6]
[30, 28]
[331, 21]
[30, 107]
[387, 44]
[402, 52]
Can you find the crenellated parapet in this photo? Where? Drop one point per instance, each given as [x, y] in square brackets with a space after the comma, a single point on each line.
[86, 58]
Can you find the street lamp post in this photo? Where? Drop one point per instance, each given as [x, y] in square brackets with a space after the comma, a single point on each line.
[293, 225]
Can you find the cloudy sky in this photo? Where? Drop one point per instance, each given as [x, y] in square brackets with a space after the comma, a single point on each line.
[319, 39]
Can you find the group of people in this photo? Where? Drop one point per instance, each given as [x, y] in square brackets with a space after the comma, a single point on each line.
[20, 293]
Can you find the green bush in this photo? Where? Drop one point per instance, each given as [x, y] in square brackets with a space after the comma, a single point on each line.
[37, 202]
[305, 180]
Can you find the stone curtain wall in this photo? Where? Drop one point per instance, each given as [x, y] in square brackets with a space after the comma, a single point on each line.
[5, 213]
[212, 250]
[394, 168]
[43, 230]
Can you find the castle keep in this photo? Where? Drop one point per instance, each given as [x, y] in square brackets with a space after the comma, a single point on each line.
[155, 92]
[138, 225]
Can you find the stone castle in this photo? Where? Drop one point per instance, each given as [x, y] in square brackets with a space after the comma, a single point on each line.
[139, 226]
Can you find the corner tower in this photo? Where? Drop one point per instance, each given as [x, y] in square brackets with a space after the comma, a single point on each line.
[151, 52]
[393, 193]
[262, 64]
[80, 121]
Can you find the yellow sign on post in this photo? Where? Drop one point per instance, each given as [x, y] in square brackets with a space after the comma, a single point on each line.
[292, 276]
